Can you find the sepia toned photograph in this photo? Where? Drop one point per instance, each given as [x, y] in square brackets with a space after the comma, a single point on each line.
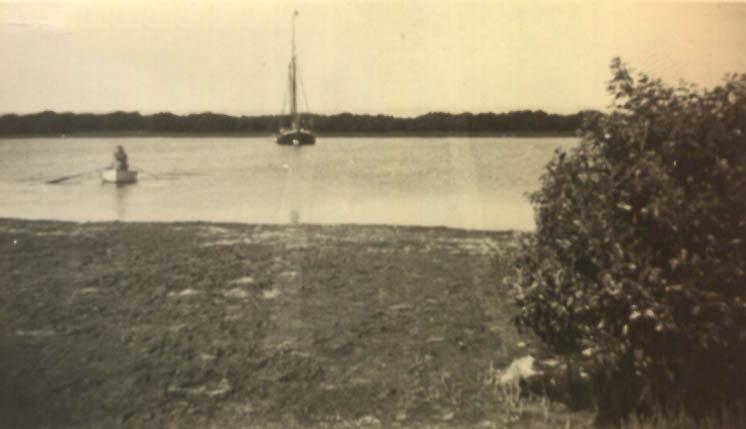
[372, 214]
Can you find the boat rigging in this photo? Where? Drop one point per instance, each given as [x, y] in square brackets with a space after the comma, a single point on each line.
[296, 134]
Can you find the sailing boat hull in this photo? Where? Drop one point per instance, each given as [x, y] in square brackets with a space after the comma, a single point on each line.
[296, 138]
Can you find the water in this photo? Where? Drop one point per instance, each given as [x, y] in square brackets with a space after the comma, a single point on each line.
[474, 183]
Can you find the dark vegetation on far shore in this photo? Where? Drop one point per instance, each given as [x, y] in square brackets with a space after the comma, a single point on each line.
[49, 123]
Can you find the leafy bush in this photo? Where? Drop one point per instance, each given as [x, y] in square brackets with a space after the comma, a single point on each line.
[638, 262]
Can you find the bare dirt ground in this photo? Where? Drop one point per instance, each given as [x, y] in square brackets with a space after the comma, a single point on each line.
[226, 325]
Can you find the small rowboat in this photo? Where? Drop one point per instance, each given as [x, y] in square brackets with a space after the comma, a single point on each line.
[119, 177]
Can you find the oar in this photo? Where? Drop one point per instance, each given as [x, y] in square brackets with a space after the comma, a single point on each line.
[63, 178]
[149, 173]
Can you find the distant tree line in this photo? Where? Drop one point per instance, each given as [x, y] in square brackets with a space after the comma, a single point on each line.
[516, 122]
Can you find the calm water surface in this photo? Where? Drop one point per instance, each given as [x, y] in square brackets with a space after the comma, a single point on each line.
[475, 183]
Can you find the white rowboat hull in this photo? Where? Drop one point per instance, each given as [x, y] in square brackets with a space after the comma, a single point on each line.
[119, 176]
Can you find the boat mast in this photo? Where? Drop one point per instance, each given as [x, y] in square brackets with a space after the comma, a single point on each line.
[294, 117]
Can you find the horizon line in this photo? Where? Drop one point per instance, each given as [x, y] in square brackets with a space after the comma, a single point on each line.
[202, 112]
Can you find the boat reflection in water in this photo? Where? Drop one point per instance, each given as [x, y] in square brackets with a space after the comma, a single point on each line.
[122, 192]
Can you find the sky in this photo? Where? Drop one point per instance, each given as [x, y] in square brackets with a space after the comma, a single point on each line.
[392, 57]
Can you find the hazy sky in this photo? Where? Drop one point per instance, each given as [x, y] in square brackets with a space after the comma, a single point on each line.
[389, 56]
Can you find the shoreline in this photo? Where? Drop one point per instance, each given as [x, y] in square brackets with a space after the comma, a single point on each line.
[528, 134]
[237, 224]
[193, 324]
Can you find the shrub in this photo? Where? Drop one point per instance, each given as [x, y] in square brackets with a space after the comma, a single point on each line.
[638, 262]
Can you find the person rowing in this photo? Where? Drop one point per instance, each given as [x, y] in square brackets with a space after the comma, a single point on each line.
[117, 172]
[120, 159]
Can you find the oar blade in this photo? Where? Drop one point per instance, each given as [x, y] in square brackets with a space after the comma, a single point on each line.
[63, 178]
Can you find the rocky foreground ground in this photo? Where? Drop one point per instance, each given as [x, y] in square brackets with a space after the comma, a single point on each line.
[227, 325]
